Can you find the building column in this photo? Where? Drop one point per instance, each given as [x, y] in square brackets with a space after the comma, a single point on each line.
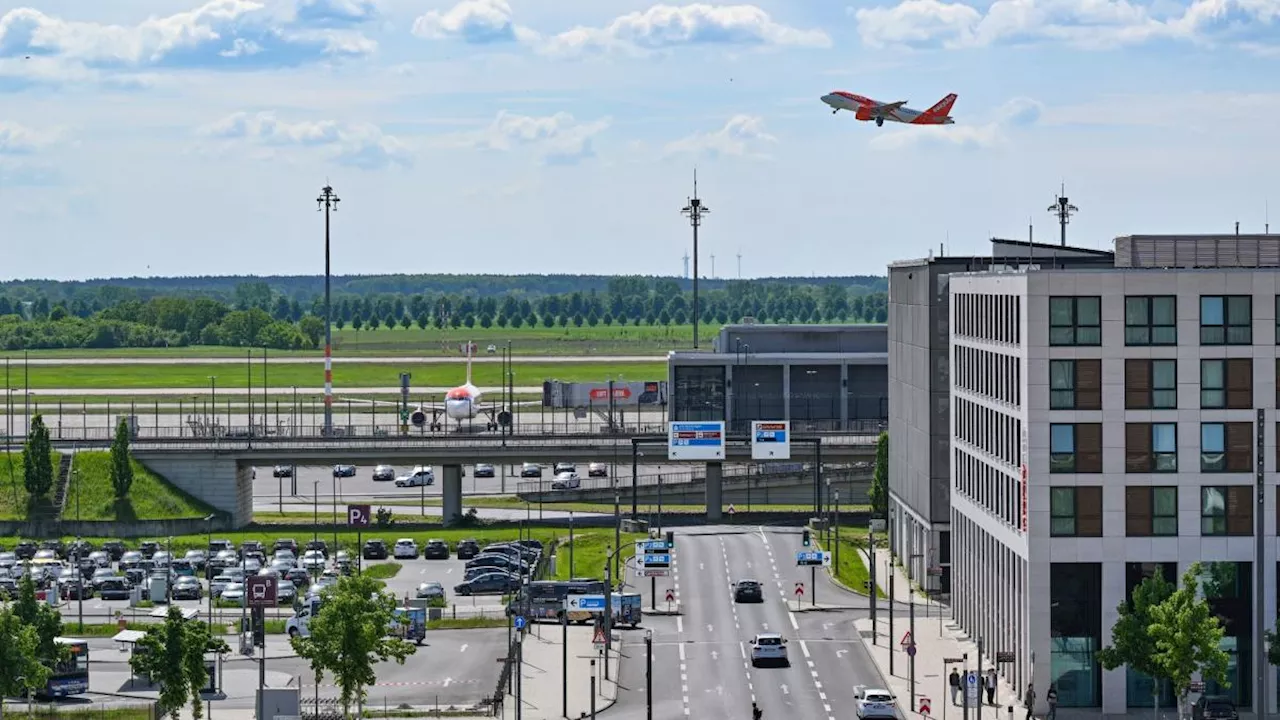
[844, 395]
[1114, 690]
[728, 395]
[786, 392]
[715, 488]
[451, 490]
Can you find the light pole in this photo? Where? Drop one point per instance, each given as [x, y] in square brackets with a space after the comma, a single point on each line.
[328, 201]
[570, 545]
[695, 211]
[213, 401]
[315, 511]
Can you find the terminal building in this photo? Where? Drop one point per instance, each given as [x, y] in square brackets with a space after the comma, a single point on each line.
[820, 377]
[1107, 423]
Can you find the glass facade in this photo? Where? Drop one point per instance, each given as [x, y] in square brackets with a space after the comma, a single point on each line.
[1075, 630]
[699, 393]
[1138, 687]
[1228, 586]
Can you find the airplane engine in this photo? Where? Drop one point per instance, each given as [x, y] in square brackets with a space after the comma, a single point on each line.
[418, 417]
[862, 113]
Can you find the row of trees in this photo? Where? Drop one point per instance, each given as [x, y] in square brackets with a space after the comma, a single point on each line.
[257, 315]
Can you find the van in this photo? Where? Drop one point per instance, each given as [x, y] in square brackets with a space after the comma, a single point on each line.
[298, 625]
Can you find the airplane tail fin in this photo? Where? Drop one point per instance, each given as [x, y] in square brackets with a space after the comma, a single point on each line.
[943, 108]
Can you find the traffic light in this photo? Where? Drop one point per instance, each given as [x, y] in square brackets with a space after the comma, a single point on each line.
[806, 537]
[671, 538]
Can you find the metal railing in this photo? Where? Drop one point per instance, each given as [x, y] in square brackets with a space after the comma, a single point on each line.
[623, 484]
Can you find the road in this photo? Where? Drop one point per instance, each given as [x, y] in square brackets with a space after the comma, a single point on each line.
[17, 361]
[701, 661]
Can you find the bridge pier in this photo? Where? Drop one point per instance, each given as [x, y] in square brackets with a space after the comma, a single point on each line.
[451, 490]
[715, 489]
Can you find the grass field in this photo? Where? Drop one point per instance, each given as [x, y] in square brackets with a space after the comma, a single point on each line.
[382, 571]
[13, 494]
[91, 497]
[590, 549]
[599, 340]
[196, 376]
[852, 569]
[146, 403]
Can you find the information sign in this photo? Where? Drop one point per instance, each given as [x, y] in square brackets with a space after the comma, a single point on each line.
[695, 440]
[585, 602]
[770, 440]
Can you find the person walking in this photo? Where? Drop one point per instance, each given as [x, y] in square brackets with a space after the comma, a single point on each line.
[954, 682]
[1029, 699]
[992, 681]
[756, 712]
[1051, 697]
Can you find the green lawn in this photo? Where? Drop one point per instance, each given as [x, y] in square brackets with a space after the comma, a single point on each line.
[383, 571]
[13, 494]
[852, 569]
[145, 402]
[196, 377]
[91, 496]
[468, 623]
[589, 552]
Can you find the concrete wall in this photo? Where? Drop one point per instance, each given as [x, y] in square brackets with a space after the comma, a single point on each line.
[216, 478]
[104, 528]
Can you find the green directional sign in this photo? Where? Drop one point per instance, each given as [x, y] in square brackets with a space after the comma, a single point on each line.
[404, 416]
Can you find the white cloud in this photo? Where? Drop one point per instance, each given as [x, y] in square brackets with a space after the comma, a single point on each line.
[1091, 24]
[743, 135]
[17, 139]
[336, 12]
[361, 145]
[477, 22]
[1018, 112]
[559, 139]
[666, 26]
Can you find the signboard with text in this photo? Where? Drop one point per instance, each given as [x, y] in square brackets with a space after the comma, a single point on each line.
[261, 590]
[695, 440]
[770, 440]
[358, 515]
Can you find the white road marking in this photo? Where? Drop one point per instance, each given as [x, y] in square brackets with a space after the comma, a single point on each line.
[743, 647]
[463, 648]
[708, 629]
[804, 648]
[679, 625]
[785, 691]
[681, 647]
[792, 616]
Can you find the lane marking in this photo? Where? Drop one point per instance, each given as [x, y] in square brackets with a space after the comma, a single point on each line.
[679, 625]
[463, 648]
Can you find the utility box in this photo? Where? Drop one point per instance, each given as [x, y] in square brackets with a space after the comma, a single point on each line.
[158, 589]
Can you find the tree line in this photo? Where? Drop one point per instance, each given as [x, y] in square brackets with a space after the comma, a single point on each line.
[257, 314]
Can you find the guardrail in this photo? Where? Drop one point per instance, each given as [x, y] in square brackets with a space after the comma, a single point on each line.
[761, 473]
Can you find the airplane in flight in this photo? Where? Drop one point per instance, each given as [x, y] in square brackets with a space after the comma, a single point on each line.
[864, 108]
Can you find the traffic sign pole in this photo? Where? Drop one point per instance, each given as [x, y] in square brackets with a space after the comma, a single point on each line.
[813, 583]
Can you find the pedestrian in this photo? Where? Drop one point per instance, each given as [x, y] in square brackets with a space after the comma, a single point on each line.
[756, 712]
[1051, 697]
[1030, 700]
[992, 682]
[954, 682]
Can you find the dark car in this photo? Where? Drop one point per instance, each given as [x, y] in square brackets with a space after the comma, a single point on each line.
[1214, 707]
[74, 589]
[149, 548]
[495, 583]
[298, 577]
[343, 471]
[282, 471]
[748, 591]
[114, 589]
[467, 549]
[25, 550]
[187, 588]
[498, 562]
[484, 470]
[80, 548]
[286, 544]
[384, 473]
[531, 470]
[249, 546]
[55, 545]
[320, 545]
[374, 550]
[436, 550]
[115, 548]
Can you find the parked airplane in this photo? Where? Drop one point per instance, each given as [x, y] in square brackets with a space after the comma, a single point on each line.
[864, 108]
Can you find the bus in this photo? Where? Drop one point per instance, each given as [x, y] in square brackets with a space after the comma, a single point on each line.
[544, 599]
[70, 676]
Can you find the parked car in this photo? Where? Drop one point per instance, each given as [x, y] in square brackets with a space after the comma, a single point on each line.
[320, 545]
[282, 471]
[436, 550]
[491, 350]
[769, 648]
[114, 589]
[286, 544]
[597, 470]
[562, 467]
[531, 470]
[875, 702]
[374, 550]
[313, 561]
[566, 481]
[286, 592]
[1214, 707]
[467, 549]
[299, 577]
[430, 590]
[384, 473]
[498, 562]
[748, 591]
[187, 588]
[484, 470]
[233, 593]
[421, 475]
[114, 548]
[494, 583]
[344, 471]
[406, 548]
[219, 545]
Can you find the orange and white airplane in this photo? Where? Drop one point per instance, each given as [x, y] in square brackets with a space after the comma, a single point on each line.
[864, 108]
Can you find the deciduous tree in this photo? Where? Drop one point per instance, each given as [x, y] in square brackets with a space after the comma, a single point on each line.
[37, 459]
[172, 654]
[121, 464]
[41, 618]
[1132, 643]
[1187, 637]
[879, 492]
[21, 671]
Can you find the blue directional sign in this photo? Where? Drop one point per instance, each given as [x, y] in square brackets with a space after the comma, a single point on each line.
[695, 441]
[585, 602]
[809, 557]
[654, 559]
[652, 545]
[520, 622]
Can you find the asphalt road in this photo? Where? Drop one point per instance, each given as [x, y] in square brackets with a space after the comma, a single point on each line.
[458, 359]
[701, 659]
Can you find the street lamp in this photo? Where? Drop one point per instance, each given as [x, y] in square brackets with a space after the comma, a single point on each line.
[328, 201]
[208, 519]
[213, 401]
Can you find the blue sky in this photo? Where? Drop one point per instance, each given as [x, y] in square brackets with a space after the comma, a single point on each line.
[175, 137]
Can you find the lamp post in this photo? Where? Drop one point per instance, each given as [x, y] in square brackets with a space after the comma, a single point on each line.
[328, 201]
[571, 545]
[695, 211]
[315, 511]
[213, 401]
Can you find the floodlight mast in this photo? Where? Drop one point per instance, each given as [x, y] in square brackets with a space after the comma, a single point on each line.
[695, 211]
[328, 201]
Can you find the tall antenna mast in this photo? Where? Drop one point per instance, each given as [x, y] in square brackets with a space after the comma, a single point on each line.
[739, 263]
[713, 266]
[695, 211]
[1063, 208]
[686, 264]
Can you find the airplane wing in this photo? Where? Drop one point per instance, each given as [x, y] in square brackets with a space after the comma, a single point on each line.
[886, 108]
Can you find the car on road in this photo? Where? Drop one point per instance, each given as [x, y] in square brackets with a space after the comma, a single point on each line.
[405, 548]
[282, 471]
[344, 471]
[597, 470]
[436, 549]
[748, 591]
[1214, 707]
[875, 703]
[531, 470]
[421, 475]
[563, 467]
[430, 591]
[484, 470]
[566, 481]
[769, 648]
[493, 583]
[384, 473]
[491, 350]
[467, 549]
[374, 550]
[187, 588]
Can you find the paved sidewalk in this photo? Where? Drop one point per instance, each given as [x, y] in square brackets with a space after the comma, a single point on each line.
[543, 688]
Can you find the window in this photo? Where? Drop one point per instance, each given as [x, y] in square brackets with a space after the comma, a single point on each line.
[1075, 321]
[1075, 511]
[1075, 384]
[1226, 510]
[1150, 447]
[1151, 511]
[1226, 383]
[1226, 447]
[1075, 448]
[1151, 320]
[1226, 319]
[1150, 384]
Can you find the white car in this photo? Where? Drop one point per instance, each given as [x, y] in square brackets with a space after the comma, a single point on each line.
[405, 548]
[313, 561]
[421, 475]
[769, 648]
[566, 481]
[875, 703]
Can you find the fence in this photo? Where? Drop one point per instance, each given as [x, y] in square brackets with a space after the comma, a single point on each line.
[759, 473]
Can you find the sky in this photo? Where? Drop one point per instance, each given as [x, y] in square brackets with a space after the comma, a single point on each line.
[191, 137]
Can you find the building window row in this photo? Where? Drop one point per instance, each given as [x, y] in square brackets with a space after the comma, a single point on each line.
[986, 485]
[1225, 510]
[1225, 384]
[988, 430]
[982, 316]
[1153, 320]
[1225, 447]
[990, 374]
